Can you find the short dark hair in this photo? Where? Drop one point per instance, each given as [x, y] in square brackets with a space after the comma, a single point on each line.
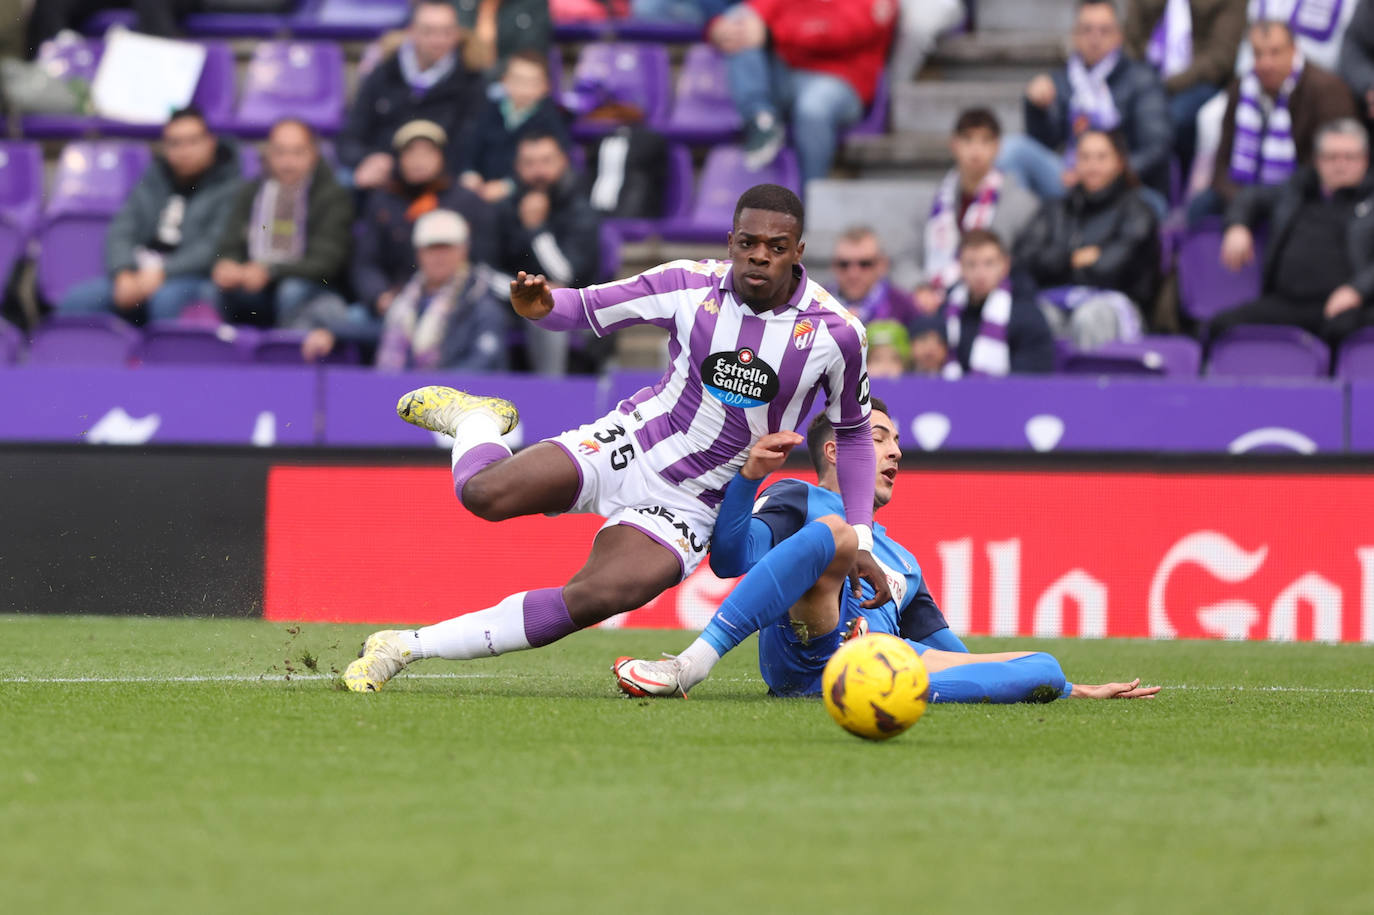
[192, 112]
[978, 238]
[1117, 139]
[977, 119]
[539, 135]
[821, 431]
[1111, 4]
[775, 199]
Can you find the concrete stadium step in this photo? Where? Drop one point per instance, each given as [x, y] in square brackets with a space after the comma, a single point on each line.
[932, 107]
[1026, 15]
[990, 56]
[894, 208]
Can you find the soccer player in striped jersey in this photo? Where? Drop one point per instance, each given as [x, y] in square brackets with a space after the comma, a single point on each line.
[752, 342]
[797, 553]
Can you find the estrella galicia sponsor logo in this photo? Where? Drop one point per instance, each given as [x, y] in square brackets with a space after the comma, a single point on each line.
[863, 389]
[688, 538]
[739, 379]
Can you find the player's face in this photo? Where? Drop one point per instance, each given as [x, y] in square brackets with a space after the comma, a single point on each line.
[888, 453]
[764, 247]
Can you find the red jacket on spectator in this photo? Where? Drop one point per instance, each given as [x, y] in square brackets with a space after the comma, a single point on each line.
[845, 38]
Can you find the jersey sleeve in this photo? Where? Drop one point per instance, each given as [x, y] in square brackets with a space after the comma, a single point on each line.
[846, 378]
[652, 297]
[784, 508]
[921, 616]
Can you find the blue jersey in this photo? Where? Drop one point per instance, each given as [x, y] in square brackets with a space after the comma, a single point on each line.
[781, 511]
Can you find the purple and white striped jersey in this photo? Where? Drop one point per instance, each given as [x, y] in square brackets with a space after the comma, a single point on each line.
[734, 375]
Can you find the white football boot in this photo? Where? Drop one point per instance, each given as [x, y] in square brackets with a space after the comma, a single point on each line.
[640, 678]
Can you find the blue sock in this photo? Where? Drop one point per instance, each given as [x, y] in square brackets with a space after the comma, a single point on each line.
[944, 640]
[771, 587]
[1034, 678]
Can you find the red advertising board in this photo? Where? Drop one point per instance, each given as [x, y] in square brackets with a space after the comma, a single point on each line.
[1047, 553]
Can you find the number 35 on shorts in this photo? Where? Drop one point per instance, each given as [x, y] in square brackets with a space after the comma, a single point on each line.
[621, 456]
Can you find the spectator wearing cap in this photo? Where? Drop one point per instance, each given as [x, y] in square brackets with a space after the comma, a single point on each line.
[973, 195]
[445, 316]
[548, 227]
[161, 245]
[889, 350]
[425, 79]
[384, 258]
[1319, 263]
[287, 238]
[862, 281]
[988, 329]
[523, 108]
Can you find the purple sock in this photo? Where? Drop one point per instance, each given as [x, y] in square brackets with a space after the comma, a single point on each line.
[473, 460]
[546, 617]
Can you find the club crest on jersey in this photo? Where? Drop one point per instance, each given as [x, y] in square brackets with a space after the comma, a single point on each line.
[803, 333]
[739, 378]
[710, 306]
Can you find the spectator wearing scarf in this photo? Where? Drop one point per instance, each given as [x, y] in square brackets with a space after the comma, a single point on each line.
[862, 284]
[286, 240]
[987, 330]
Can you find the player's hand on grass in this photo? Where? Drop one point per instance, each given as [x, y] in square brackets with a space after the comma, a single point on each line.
[530, 295]
[867, 568]
[1132, 690]
[768, 454]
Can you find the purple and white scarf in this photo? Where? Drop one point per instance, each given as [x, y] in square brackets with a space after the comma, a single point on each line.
[1091, 98]
[990, 354]
[276, 231]
[1315, 19]
[1171, 44]
[943, 228]
[412, 338]
[1263, 151]
[421, 81]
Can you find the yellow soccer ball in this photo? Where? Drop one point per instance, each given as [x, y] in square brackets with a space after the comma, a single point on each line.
[875, 686]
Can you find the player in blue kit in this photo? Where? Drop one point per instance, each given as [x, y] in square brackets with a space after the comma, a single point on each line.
[797, 551]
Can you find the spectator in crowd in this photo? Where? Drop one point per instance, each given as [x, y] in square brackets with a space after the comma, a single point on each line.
[1318, 25]
[523, 108]
[1192, 45]
[286, 241]
[499, 28]
[929, 349]
[425, 79]
[989, 330]
[889, 349]
[1356, 65]
[383, 257]
[548, 227]
[161, 245]
[1272, 116]
[862, 281]
[815, 61]
[153, 17]
[973, 195]
[1100, 89]
[1319, 265]
[628, 168]
[445, 316]
[919, 24]
[1095, 253]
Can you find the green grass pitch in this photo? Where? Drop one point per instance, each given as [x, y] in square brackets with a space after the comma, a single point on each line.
[526, 784]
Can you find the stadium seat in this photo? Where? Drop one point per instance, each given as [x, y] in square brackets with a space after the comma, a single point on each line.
[677, 197]
[1205, 287]
[283, 347]
[1163, 355]
[173, 343]
[874, 121]
[92, 181]
[21, 197]
[11, 343]
[633, 73]
[66, 59]
[1266, 350]
[295, 79]
[83, 340]
[610, 241]
[702, 110]
[724, 177]
[1355, 361]
[351, 19]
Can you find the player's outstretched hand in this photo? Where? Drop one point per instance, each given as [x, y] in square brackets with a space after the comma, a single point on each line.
[768, 454]
[530, 295]
[867, 568]
[1132, 690]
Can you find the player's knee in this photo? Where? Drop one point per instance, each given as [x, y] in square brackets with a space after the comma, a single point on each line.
[485, 499]
[846, 541]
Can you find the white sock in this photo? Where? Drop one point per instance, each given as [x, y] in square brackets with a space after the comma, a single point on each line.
[695, 664]
[477, 427]
[484, 634]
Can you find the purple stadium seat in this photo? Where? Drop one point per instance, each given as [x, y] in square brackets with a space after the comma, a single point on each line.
[83, 340]
[174, 343]
[283, 347]
[723, 178]
[250, 161]
[874, 121]
[633, 73]
[1205, 287]
[92, 181]
[357, 19]
[610, 242]
[702, 111]
[1356, 359]
[1264, 350]
[293, 79]
[1163, 355]
[74, 59]
[21, 196]
[677, 198]
[11, 343]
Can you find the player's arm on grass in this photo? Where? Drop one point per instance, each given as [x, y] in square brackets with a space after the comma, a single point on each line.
[740, 539]
[647, 298]
[1132, 690]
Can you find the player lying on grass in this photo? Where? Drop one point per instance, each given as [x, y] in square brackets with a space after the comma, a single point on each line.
[797, 552]
[752, 342]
